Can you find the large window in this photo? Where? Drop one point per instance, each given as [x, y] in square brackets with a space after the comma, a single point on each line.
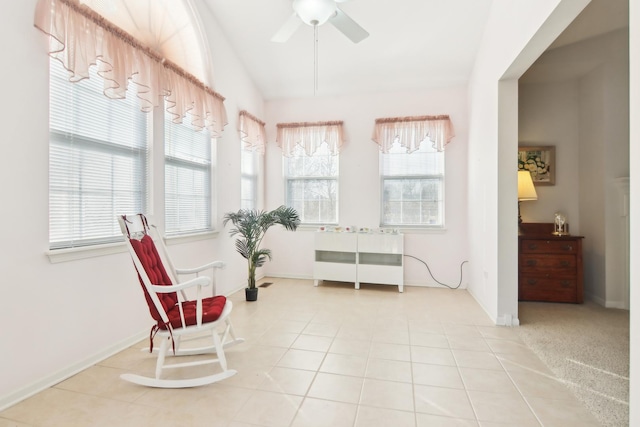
[187, 176]
[100, 145]
[412, 186]
[312, 185]
[97, 160]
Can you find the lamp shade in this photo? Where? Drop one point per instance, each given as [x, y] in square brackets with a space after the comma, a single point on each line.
[314, 12]
[526, 190]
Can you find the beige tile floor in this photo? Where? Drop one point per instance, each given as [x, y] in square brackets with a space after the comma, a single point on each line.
[333, 356]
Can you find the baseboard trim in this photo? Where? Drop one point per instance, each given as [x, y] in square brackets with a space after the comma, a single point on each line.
[415, 285]
[29, 390]
[621, 305]
[597, 300]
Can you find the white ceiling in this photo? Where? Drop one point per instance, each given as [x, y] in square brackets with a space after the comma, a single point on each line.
[413, 44]
[598, 18]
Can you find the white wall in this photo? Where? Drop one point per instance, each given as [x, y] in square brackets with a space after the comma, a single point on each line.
[517, 33]
[548, 115]
[57, 318]
[233, 82]
[617, 165]
[634, 178]
[359, 192]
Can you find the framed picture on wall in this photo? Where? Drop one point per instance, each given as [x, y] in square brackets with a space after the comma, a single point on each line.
[540, 161]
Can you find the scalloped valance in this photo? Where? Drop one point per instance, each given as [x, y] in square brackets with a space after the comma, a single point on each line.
[80, 38]
[252, 132]
[410, 131]
[309, 136]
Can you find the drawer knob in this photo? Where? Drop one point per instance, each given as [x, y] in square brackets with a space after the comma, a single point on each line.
[567, 248]
[533, 246]
[532, 262]
[565, 284]
[564, 263]
[532, 282]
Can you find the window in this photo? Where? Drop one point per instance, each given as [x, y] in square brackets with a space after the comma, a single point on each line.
[187, 176]
[253, 139]
[412, 186]
[97, 160]
[100, 144]
[312, 185]
[251, 162]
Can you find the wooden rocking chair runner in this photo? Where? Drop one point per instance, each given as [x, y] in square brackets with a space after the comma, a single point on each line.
[178, 319]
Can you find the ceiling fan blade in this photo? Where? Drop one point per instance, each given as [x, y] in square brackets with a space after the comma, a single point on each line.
[348, 26]
[287, 30]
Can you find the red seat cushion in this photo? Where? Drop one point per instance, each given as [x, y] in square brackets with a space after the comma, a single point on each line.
[211, 309]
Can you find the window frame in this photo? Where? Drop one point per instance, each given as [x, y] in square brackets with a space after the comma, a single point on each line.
[441, 177]
[254, 178]
[66, 133]
[208, 166]
[335, 179]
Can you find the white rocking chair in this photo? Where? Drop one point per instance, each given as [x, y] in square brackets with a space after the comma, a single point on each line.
[178, 319]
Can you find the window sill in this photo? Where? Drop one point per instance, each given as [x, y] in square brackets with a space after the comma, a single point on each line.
[403, 230]
[309, 227]
[83, 252]
[188, 238]
[422, 230]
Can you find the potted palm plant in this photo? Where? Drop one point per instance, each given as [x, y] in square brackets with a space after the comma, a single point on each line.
[251, 226]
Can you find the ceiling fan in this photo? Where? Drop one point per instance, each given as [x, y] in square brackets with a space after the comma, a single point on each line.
[316, 13]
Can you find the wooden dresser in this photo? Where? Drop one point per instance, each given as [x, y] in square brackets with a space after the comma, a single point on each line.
[549, 267]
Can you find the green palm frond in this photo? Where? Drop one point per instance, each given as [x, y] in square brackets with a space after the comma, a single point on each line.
[242, 248]
[260, 257]
[251, 225]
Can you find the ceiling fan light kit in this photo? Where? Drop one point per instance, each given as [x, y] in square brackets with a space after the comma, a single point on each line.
[314, 12]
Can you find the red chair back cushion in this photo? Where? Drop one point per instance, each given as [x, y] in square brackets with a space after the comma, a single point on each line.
[152, 263]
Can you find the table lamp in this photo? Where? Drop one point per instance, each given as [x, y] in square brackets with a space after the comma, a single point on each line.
[526, 190]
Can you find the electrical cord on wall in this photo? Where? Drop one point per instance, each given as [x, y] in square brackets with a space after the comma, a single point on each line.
[436, 280]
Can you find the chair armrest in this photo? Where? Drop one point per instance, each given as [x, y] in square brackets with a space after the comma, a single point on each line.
[196, 281]
[213, 264]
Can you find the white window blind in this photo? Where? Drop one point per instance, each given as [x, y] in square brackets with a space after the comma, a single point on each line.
[97, 160]
[412, 186]
[187, 178]
[312, 185]
[251, 161]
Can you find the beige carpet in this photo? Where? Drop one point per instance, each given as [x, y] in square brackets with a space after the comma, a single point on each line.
[587, 346]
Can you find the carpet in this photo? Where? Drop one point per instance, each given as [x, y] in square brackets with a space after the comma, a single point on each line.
[587, 347]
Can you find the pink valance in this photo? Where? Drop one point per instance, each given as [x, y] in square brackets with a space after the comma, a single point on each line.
[80, 38]
[252, 132]
[309, 136]
[410, 131]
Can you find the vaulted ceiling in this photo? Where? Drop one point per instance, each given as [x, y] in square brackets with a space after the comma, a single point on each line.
[413, 44]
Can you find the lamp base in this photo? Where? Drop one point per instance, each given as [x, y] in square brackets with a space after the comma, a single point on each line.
[519, 221]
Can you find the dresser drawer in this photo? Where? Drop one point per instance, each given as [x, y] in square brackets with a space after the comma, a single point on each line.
[549, 267]
[547, 289]
[539, 246]
[548, 264]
